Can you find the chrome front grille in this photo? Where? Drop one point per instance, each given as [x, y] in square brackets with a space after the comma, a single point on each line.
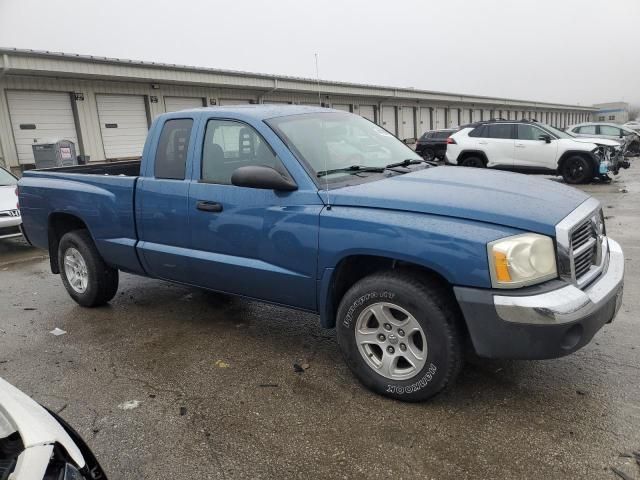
[10, 213]
[582, 244]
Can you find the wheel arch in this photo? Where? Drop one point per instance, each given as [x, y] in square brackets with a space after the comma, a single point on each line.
[473, 153]
[354, 267]
[580, 153]
[59, 224]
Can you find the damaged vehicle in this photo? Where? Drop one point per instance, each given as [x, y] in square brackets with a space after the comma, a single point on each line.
[528, 146]
[36, 444]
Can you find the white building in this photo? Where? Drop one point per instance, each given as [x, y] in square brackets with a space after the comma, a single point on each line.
[613, 112]
[105, 105]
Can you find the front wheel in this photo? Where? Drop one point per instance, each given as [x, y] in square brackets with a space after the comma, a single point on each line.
[475, 162]
[399, 335]
[85, 275]
[576, 170]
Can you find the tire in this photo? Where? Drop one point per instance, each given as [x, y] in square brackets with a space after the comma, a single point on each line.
[428, 154]
[475, 162]
[88, 280]
[576, 170]
[401, 299]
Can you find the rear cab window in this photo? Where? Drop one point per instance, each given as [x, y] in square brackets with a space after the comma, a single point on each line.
[171, 154]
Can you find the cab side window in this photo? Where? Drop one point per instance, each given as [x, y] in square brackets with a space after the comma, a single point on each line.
[588, 129]
[500, 130]
[229, 145]
[529, 132]
[171, 155]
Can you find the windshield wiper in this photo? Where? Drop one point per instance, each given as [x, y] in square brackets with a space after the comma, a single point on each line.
[350, 168]
[411, 161]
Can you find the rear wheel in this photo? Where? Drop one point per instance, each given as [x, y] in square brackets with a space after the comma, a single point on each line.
[399, 335]
[576, 170]
[475, 162]
[428, 154]
[85, 275]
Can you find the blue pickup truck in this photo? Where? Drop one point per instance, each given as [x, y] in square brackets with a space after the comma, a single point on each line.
[326, 212]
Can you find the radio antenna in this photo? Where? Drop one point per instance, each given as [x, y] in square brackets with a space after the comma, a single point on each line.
[326, 165]
[318, 81]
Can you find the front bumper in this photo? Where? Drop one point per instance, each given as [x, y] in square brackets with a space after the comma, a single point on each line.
[543, 321]
[10, 226]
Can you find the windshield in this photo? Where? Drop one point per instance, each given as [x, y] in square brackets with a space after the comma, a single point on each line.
[556, 132]
[6, 178]
[330, 141]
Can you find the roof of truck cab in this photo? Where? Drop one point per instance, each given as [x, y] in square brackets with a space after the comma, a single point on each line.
[262, 111]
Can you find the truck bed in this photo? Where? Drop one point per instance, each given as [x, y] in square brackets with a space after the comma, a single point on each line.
[102, 195]
[129, 168]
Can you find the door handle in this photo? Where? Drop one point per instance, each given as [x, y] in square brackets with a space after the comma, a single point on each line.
[209, 206]
[520, 145]
[483, 143]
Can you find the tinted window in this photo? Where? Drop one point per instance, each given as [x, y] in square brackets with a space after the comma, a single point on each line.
[608, 130]
[529, 132]
[480, 131]
[442, 134]
[229, 145]
[171, 155]
[499, 131]
[588, 129]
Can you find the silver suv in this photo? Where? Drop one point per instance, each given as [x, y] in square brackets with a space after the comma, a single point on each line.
[629, 137]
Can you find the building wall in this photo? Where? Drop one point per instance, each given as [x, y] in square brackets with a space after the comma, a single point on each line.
[408, 112]
[612, 112]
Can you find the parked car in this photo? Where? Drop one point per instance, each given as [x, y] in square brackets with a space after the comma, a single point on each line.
[37, 444]
[629, 138]
[433, 144]
[10, 219]
[409, 262]
[529, 146]
[633, 125]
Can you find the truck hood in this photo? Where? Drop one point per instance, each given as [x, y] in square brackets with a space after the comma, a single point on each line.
[509, 199]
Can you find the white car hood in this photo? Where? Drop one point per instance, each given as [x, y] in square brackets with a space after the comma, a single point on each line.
[597, 141]
[8, 198]
[18, 412]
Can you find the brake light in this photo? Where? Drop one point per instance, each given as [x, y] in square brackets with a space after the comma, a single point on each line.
[451, 141]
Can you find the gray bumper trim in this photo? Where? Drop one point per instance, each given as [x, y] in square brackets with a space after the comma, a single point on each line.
[567, 304]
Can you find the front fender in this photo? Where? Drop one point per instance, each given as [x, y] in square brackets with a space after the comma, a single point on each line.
[454, 248]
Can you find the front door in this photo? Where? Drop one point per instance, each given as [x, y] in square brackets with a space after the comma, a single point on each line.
[531, 152]
[248, 241]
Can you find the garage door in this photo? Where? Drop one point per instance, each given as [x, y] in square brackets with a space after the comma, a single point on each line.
[439, 118]
[425, 120]
[123, 124]
[408, 124]
[341, 106]
[454, 119]
[40, 117]
[477, 115]
[368, 112]
[234, 101]
[486, 115]
[174, 104]
[389, 119]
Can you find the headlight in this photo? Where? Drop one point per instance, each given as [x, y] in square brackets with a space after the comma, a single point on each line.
[521, 260]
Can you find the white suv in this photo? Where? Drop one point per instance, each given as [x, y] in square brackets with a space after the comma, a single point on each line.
[529, 146]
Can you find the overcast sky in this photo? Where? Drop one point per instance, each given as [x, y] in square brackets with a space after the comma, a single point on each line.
[568, 51]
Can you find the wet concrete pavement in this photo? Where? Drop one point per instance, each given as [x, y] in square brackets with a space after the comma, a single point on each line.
[220, 397]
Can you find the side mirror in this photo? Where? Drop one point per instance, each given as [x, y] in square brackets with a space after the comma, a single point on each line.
[621, 134]
[259, 176]
[546, 138]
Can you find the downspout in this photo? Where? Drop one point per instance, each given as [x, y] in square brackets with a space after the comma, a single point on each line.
[3, 72]
[275, 87]
[5, 65]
